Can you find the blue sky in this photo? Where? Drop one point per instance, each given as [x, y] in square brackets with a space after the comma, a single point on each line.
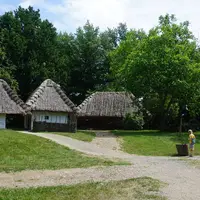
[67, 15]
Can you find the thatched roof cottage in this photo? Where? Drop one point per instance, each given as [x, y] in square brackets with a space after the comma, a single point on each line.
[10, 103]
[51, 109]
[105, 110]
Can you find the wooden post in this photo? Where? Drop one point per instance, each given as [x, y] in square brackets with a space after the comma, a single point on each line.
[73, 123]
[181, 123]
[32, 120]
[25, 122]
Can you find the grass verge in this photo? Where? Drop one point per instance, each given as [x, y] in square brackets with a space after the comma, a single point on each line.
[20, 152]
[153, 143]
[139, 188]
[86, 136]
[193, 162]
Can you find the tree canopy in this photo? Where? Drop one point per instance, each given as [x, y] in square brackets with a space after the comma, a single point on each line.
[161, 66]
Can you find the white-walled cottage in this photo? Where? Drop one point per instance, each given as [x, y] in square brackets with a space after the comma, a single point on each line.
[10, 103]
[51, 109]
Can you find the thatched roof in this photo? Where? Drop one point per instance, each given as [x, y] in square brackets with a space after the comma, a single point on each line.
[10, 103]
[50, 97]
[108, 104]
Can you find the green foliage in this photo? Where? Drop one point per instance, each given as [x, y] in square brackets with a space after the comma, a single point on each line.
[6, 67]
[119, 55]
[88, 61]
[34, 51]
[87, 58]
[29, 44]
[164, 65]
[7, 76]
[133, 121]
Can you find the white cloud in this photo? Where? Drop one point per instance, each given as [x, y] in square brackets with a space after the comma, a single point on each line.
[102, 13]
[27, 3]
[109, 13]
[6, 7]
[136, 13]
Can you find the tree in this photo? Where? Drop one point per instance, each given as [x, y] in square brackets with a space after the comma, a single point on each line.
[6, 68]
[163, 66]
[64, 56]
[87, 62]
[29, 44]
[119, 56]
[121, 32]
[111, 38]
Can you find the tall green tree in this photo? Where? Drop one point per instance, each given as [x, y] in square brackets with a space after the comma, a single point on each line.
[163, 66]
[65, 43]
[111, 38]
[6, 67]
[29, 44]
[119, 56]
[87, 60]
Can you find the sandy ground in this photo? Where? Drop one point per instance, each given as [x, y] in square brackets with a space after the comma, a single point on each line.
[107, 140]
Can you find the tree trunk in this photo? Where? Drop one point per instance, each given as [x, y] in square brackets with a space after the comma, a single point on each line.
[164, 115]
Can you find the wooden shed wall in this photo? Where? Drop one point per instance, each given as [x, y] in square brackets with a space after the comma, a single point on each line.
[100, 123]
[70, 126]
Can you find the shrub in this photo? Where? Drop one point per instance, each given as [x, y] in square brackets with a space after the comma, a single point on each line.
[133, 121]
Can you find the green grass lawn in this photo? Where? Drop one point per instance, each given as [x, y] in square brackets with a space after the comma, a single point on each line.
[86, 136]
[139, 188]
[153, 143]
[19, 151]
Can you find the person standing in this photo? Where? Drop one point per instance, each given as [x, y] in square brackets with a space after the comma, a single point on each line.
[192, 140]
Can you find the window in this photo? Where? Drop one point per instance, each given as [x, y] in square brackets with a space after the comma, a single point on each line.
[46, 117]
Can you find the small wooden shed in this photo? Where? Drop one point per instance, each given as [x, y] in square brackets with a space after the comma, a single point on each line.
[10, 103]
[105, 110]
[51, 109]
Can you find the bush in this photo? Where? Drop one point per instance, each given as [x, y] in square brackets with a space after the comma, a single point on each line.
[133, 121]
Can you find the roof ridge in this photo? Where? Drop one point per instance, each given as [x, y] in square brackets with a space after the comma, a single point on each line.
[86, 101]
[124, 95]
[65, 98]
[90, 96]
[111, 92]
[34, 96]
[39, 90]
[13, 95]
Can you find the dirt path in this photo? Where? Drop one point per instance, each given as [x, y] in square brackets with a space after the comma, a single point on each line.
[169, 171]
[85, 147]
[183, 180]
[67, 177]
[105, 139]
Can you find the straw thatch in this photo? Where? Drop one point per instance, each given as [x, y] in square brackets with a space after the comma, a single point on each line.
[50, 97]
[10, 103]
[107, 104]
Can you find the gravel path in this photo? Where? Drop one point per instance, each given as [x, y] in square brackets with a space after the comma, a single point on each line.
[85, 147]
[183, 179]
[67, 177]
[105, 139]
